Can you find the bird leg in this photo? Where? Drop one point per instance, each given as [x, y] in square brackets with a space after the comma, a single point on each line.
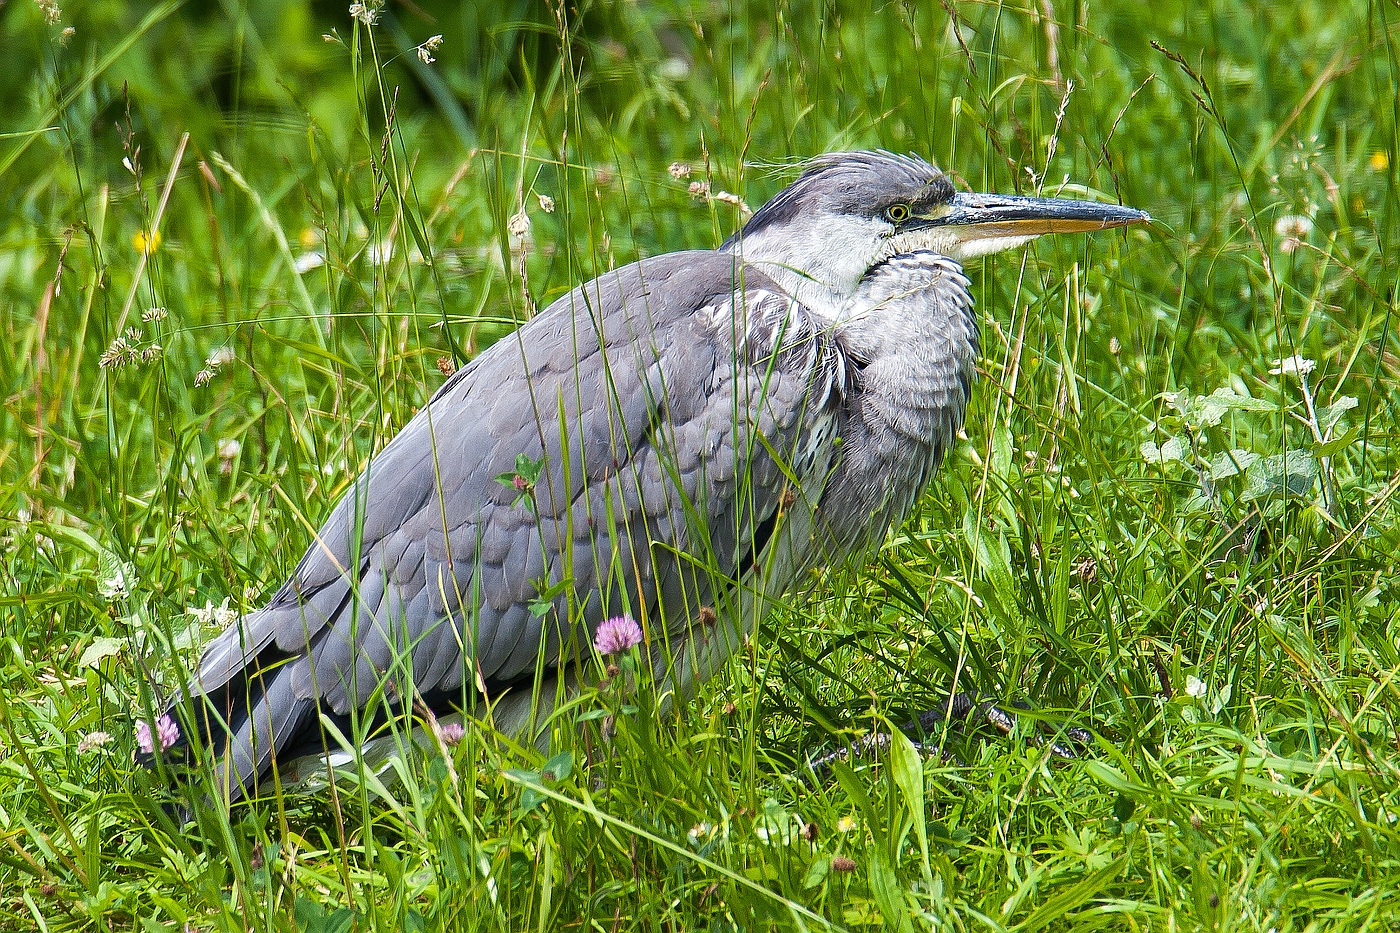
[961, 710]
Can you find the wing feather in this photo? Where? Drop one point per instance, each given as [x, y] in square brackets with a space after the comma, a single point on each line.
[642, 393]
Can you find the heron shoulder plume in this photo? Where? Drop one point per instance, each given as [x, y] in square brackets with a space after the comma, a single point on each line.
[659, 445]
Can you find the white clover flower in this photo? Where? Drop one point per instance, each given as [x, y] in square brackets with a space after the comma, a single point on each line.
[1195, 687]
[93, 740]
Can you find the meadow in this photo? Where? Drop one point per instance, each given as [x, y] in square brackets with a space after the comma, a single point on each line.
[241, 244]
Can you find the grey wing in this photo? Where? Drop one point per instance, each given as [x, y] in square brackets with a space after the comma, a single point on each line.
[668, 404]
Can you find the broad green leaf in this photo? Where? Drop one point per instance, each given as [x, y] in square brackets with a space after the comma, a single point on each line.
[889, 895]
[1290, 474]
[1329, 415]
[101, 647]
[1209, 410]
[908, 768]
[559, 767]
[1338, 444]
[1231, 462]
[1174, 449]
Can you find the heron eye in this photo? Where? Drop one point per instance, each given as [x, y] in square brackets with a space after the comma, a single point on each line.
[897, 213]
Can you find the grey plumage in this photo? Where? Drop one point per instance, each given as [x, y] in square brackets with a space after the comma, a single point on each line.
[685, 411]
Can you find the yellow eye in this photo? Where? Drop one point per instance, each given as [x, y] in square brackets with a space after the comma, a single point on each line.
[897, 213]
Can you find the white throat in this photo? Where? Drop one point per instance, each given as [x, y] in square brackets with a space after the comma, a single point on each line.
[822, 264]
[818, 264]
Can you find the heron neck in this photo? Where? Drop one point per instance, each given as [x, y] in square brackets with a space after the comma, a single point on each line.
[911, 335]
[820, 274]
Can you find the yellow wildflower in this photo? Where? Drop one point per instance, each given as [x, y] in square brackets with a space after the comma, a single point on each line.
[143, 243]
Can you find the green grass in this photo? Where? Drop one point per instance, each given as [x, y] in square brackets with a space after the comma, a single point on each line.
[1232, 633]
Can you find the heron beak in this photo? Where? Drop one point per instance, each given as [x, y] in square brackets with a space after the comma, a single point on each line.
[994, 217]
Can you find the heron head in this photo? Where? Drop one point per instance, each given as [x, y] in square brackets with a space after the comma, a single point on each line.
[849, 211]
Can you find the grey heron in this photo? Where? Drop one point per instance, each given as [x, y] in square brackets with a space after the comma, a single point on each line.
[677, 440]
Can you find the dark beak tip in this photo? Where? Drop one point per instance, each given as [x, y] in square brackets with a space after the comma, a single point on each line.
[1129, 217]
